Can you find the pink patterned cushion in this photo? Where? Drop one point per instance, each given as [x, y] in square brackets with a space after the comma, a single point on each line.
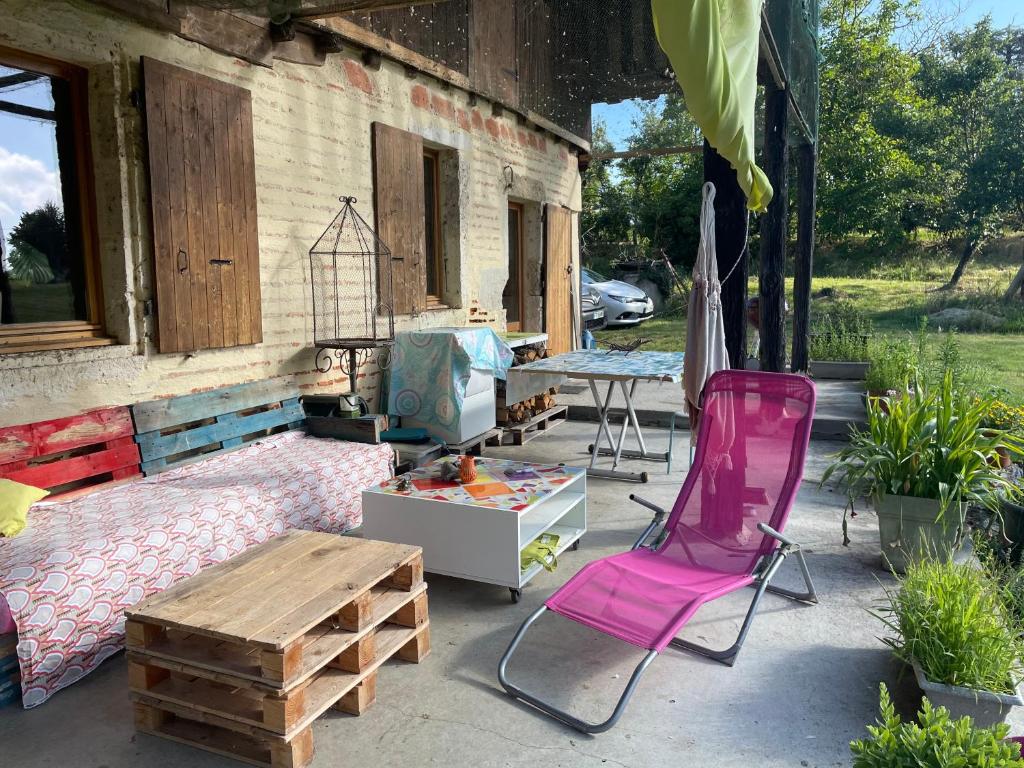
[70, 575]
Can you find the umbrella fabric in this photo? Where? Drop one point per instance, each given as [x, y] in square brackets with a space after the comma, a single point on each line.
[705, 328]
[713, 47]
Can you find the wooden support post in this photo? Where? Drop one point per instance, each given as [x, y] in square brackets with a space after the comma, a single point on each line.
[807, 192]
[359, 655]
[280, 714]
[730, 245]
[418, 648]
[281, 666]
[413, 613]
[360, 698]
[139, 635]
[356, 615]
[773, 230]
[296, 753]
[408, 576]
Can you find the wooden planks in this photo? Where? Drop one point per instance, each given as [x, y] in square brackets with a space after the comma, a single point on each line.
[398, 210]
[493, 61]
[203, 202]
[179, 430]
[206, 668]
[272, 598]
[88, 449]
[558, 304]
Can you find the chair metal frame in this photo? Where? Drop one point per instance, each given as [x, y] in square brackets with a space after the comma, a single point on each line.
[763, 573]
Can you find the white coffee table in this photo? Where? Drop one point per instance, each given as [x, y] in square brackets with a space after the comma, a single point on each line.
[477, 530]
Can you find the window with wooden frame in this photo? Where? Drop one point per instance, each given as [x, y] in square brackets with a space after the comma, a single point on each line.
[408, 180]
[50, 294]
[434, 257]
[512, 295]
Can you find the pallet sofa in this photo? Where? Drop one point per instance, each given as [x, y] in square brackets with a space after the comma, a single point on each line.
[199, 479]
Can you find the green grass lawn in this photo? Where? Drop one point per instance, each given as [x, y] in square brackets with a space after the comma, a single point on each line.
[895, 303]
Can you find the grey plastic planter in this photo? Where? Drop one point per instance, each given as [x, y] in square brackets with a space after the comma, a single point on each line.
[834, 369]
[907, 530]
[984, 707]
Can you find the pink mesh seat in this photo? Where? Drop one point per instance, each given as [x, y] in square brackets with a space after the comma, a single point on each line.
[724, 531]
[640, 597]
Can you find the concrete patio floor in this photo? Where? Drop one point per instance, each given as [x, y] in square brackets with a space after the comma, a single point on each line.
[805, 684]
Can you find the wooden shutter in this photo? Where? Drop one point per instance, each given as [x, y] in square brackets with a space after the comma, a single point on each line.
[202, 185]
[558, 303]
[399, 211]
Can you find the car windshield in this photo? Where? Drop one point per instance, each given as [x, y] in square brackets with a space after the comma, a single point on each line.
[590, 276]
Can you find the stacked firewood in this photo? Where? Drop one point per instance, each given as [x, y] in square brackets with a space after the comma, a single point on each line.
[517, 413]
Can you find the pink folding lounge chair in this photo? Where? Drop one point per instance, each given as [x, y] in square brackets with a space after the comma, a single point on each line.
[723, 534]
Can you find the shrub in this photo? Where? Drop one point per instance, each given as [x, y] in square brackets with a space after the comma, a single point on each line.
[935, 741]
[892, 364]
[950, 618]
[840, 334]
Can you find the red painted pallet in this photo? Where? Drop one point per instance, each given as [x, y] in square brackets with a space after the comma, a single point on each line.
[71, 453]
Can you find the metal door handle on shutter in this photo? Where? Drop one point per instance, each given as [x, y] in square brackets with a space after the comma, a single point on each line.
[182, 261]
[222, 261]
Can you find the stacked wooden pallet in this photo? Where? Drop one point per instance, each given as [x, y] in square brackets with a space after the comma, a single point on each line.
[242, 658]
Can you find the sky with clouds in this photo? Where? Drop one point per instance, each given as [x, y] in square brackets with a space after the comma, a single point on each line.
[28, 155]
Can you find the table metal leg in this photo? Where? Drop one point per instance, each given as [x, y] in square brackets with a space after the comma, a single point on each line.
[615, 448]
[630, 417]
[603, 427]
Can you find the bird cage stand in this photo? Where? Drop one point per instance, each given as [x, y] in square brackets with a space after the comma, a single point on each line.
[353, 295]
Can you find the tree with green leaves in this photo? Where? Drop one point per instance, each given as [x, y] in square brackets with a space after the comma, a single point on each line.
[970, 167]
[868, 182]
[42, 230]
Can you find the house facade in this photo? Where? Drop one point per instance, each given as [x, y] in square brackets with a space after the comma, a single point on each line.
[196, 167]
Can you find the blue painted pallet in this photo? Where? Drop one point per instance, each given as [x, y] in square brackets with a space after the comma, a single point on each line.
[181, 430]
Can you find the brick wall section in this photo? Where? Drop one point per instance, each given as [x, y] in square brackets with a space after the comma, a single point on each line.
[312, 144]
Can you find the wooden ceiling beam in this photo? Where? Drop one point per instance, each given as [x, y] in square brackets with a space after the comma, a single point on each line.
[652, 152]
[356, 6]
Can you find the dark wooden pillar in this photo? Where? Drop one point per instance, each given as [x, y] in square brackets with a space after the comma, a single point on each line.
[773, 230]
[806, 202]
[730, 245]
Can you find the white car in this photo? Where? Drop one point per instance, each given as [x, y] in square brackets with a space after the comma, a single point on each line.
[623, 304]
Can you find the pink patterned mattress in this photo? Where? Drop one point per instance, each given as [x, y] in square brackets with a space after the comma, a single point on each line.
[70, 575]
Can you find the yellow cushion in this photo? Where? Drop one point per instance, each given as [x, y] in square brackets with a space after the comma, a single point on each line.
[15, 499]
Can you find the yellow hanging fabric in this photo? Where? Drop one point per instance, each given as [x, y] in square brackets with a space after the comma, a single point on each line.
[713, 48]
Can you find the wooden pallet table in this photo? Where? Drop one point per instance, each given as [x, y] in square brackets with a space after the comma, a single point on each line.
[242, 658]
[539, 424]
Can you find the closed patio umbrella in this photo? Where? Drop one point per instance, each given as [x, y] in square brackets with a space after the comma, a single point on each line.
[705, 328]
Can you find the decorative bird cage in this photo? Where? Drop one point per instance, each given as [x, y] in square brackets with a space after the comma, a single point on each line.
[353, 307]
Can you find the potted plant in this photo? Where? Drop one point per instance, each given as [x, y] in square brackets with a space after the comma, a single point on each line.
[1002, 417]
[839, 344]
[936, 739]
[950, 622]
[922, 460]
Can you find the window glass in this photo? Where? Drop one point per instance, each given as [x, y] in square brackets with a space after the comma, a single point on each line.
[512, 296]
[432, 216]
[42, 271]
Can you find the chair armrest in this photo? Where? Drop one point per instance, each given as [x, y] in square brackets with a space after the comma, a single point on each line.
[659, 517]
[767, 530]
